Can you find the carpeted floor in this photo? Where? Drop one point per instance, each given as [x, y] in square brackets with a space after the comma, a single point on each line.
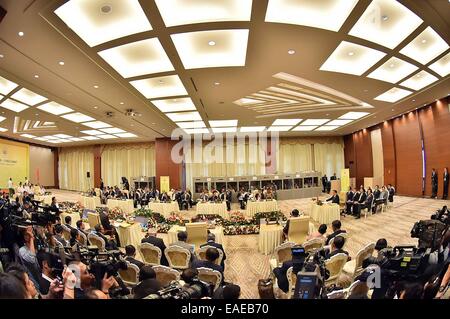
[245, 265]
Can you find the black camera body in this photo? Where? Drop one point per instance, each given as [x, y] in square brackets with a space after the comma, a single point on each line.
[196, 290]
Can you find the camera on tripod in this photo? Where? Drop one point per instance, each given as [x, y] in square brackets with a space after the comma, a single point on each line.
[196, 290]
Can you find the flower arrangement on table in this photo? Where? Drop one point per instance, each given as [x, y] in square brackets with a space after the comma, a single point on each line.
[71, 207]
[117, 214]
[175, 219]
[268, 215]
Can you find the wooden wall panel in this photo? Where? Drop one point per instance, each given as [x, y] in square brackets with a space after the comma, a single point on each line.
[363, 156]
[389, 161]
[164, 165]
[55, 167]
[435, 121]
[408, 153]
[98, 165]
[349, 155]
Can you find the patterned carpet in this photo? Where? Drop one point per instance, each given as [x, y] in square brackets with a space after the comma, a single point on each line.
[245, 265]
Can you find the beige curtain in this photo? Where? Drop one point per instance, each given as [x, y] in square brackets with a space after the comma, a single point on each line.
[73, 165]
[329, 158]
[128, 160]
[294, 158]
[232, 159]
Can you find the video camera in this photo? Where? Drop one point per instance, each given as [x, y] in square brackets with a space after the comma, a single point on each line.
[405, 262]
[442, 215]
[197, 290]
[431, 232]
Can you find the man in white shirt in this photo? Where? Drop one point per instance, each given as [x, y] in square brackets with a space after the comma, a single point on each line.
[10, 187]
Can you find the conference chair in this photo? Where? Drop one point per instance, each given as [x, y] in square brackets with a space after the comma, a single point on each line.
[313, 244]
[93, 219]
[298, 229]
[292, 279]
[353, 268]
[335, 265]
[83, 238]
[212, 276]
[201, 253]
[130, 276]
[150, 254]
[196, 233]
[165, 275]
[367, 211]
[97, 241]
[66, 232]
[345, 235]
[178, 257]
[281, 254]
[357, 288]
[342, 201]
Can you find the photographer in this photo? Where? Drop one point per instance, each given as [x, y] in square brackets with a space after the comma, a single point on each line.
[110, 244]
[147, 283]
[297, 262]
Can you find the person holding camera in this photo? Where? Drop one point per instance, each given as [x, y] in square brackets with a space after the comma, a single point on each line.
[147, 283]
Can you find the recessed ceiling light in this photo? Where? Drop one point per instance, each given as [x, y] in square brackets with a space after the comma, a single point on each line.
[342, 61]
[190, 12]
[216, 83]
[13, 105]
[385, 18]
[21, 34]
[327, 128]
[414, 100]
[191, 125]
[291, 52]
[351, 53]
[314, 14]
[175, 105]
[138, 58]
[393, 95]
[424, 41]
[37, 114]
[279, 128]
[97, 124]
[353, 115]
[28, 97]
[77, 117]
[96, 86]
[61, 63]
[312, 122]
[288, 122]
[162, 86]
[1, 56]
[54, 108]
[231, 51]
[126, 135]
[184, 116]
[197, 131]
[36, 76]
[96, 22]
[112, 130]
[95, 107]
[249, 129]
[211, 43]
[301, 128]
[223, 123]
[425, 52]
[121, 103]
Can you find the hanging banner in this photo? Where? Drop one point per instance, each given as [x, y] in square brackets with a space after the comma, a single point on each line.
[345, 179]
[164, 182]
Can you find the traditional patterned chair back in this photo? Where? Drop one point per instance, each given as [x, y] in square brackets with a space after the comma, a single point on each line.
[202, 253]
[150, 254]
[283, 252]
[97, 241]
[313, 244]
[165, 275]
[298, 229]
[196, 233]
[214, 277]
[178, 257]
[130, 276]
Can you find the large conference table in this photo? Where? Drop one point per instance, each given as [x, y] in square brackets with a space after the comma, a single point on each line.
[255, 207]
[164, 208]
[212, 209]
[324, 214]
[172, 234]
[127, 205]
[90, 202]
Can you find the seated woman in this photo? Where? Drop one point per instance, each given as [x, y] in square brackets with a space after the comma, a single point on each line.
[320, 233]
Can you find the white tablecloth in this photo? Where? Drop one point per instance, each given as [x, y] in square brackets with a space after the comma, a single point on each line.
[75, 217]
[212, 209]
[90, 202]
[164, 208]
[131, 235]
[172, 234]
[324, 214]
[270, 236]
[127, 206]
[46, 199]
[260, 207]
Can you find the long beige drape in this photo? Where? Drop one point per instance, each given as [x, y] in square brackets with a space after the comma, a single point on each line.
[329, 158]
[73, 165]
[294, 158]
[127, 160]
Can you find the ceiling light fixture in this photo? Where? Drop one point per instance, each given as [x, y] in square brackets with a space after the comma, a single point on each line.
[36, 76]
[96, 86]
[21, 34]
[1, 56]
[61, 63]
[212, 43]
[351, 53]
[216, 83]
[291, 52]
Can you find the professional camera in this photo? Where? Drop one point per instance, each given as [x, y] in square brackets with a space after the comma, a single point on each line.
[196, 290]
[442, 215]
[430, 233]
[405, 262]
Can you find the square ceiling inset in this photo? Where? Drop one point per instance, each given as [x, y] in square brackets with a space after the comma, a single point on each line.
[62, 136]
[162, 86]
[339, 122]
[97, 124]
[329, 15]
[386, 22]
[28, 135]
[90, 138]
[419, 80]
[14, 106]
[54, 108]
[314, 122]
[175, 105]
[112, 130]
[6, 86]
[353, 115]
[191, 125]
[107, 136]
[99, 21]
[138, 58]
[224, 129]
[393, 95]
[282, 122]
[425, 47]
[2, 118]
[217, 48]
[179, 12]
[393, 70]
[249, 129]
[3, 129]
[184, 117]
[301, 128]
[76, 139]
[223, 123]
[351, 58]
[28, 97]
[92, 132]
[197, 131]
[77, 117]
[442, 66]
[327, 128]
[126, 135]
[279, 128]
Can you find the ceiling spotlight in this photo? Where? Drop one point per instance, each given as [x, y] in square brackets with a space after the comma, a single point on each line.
[37, 114]
[21, 34]
[393, 110]
[391, 65]
[414, 100]
[106, 9]
[121, 103]
[291, 52]
[1, 56]
[212, 43]
[36, 76]
[366, 90]
[95, 107]
[61, 62]
[424, 41]
[216, 83]
[351, 53]
[385, 18]
[96, 86]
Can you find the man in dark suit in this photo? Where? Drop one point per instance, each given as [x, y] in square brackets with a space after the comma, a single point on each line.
[367, 203]
[108, 228]
[333, 178]
[158, 242]
[336, 248]
[228, 194]
[45, 263]
[376, 192]
[336, 226]
[446, 181]
[130, 253]
[294, 213]
[324, 183]
[359, 201]
[434, 184]
[334, 198]
[109, 243]
[59, 235]
[211, 256]
[54, 206]
[147, 283]
[391, 191]
[212, 242]
[349, 202]
[68, 222]
[297, 263]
